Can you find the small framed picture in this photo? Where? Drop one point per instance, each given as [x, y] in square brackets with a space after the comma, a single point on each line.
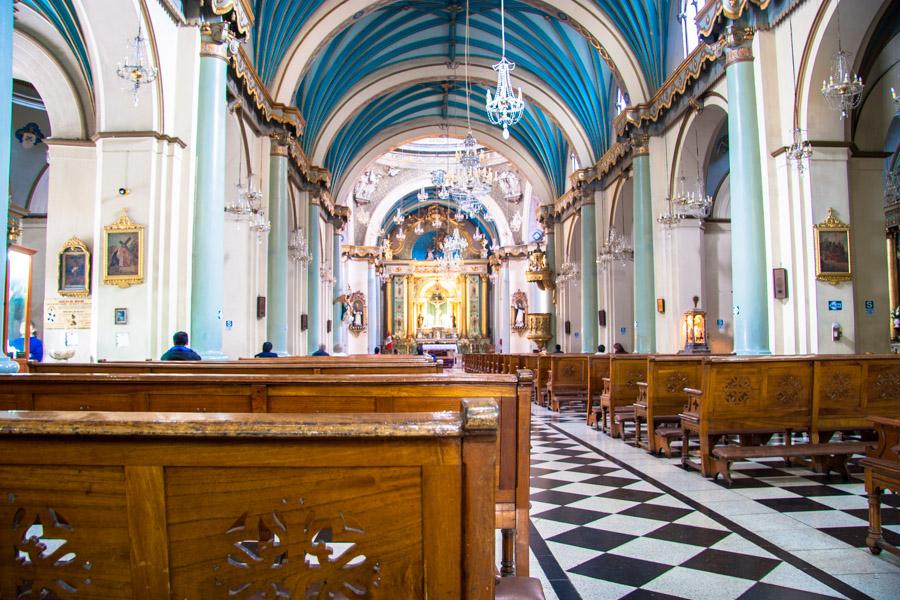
[121, 316]
[661, 305]
[75, 269]
[832, 244]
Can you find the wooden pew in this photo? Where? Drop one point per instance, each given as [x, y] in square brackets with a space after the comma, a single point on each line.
[567, 378]
[882, 468]
[135, 505]
[661, 399]
[620, 390]
[356, 394]
[598, 369]
[330, 366]
[755, 397]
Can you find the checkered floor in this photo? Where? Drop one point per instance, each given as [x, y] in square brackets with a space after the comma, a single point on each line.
[611, 521]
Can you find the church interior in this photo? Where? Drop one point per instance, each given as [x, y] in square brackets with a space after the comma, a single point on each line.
[401, 299]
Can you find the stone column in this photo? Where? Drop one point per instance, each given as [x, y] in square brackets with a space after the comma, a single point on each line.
[589, 324]
[208, 267]
[505, 303]
[337, 326]
[748, 237]
[550, 241]
[6, 33]
[313, 335]
[277, 291]
[644, 287]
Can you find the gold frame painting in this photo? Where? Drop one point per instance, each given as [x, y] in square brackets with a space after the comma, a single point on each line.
[519, 302]
[359, 318]
[832, 243]
[74, 269]
[124, 266]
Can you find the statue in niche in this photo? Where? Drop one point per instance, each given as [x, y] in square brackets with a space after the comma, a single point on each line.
[364, 190]
[510, 186]
[453, 320]
[420, 321]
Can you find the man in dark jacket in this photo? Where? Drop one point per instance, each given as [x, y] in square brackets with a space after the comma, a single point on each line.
[180, 351]
[266, 351]
[321, 351]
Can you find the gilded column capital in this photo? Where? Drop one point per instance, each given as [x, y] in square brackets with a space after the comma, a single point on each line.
[738, 44]
[216, 40]
[640, 143]
[280, 142]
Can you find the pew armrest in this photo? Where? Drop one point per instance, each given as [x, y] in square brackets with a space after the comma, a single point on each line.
[642, 394]
[694, 402]
[887, 452]
[606, 386]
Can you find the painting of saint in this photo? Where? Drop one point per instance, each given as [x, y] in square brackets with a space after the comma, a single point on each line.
[122, 254]
[833, 252]
[73, 271]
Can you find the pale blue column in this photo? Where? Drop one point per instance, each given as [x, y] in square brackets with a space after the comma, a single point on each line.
[315, 263]
[277, 291]
[373, 308]
[6, 32]
[208, 265]
[336, 323]
[505, 308]
[644, 288]
[748, 236]
[588, 273]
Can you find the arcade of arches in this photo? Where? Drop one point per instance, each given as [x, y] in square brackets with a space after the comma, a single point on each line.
[291, 173]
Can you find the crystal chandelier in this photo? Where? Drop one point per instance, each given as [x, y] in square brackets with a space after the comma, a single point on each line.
[298, 250]
[843, 88]
[134, 69]
[478, 236]
[418, 229]
[399, 218]
[670, 217]
[800, 150]
[616, 249]
[436, 220]
[260, 224]
[453, 247]
[695, 202]
[422, 195]
[401, 235]
[504, 108]
[568, 271]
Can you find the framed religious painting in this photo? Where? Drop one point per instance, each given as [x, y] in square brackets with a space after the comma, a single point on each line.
[123, 252]
[832, 242]
[519, 312]
[74, 268]
[359, 319]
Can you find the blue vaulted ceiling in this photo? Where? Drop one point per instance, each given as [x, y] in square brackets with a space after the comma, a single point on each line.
[61, 14]
[536, 132]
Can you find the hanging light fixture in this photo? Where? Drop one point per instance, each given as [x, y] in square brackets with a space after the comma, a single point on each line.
[516, 223]
[298, 250]
[843, 89]
[454, 247]
[504, 108]
[616, 248]
[398, 217]
[422, 195]
[800, 150]
[695, 202]
[670, 217]
[134, 68]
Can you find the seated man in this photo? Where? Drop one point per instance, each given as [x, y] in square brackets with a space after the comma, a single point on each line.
[601, 349]
[180, 351]
[338, 350]
[266, 351]
[558, 349]
[321, 351]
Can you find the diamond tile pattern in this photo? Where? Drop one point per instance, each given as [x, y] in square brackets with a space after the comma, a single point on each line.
[646, 543]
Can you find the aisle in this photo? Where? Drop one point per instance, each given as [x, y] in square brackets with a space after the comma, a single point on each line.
[610, 521]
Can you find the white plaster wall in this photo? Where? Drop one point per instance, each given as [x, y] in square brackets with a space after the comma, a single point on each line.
[34, 236]
[357, 274]
[518, 343]
[718, 296]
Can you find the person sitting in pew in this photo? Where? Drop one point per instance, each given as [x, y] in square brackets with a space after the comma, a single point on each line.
[377, 349]
[338, 350]
[321, 351]
[266, 351]
[619, 349]
[558, 349]
[601, 349]
[180, 350]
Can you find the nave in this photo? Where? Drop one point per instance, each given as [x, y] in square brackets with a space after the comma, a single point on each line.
[611, 521]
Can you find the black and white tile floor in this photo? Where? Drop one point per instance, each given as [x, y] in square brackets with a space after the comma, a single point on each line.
[611, 521]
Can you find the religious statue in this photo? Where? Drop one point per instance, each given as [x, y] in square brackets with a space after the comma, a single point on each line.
[386, 248]
[510, 186]
[453, 321]
[420, 320]
[364, 190]
[519, 311]
[537, 261]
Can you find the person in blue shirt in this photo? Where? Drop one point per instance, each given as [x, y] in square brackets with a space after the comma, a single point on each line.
[180, 351]
[35, 346]
[321, 351]
[266, 351]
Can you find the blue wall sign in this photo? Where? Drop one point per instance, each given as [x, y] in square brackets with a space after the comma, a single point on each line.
[835, 305]
[229, 325]
[720, 324]
[870, 307]
[621, 331]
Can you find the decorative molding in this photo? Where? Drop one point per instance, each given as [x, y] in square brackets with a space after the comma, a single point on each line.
[711, 13]
[173, 11]
[240, 12]
[106, 135]
[287, 116]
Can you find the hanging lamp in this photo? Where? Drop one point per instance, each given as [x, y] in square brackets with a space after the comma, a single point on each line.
[843, 89]
[800, 150]
[503, 107]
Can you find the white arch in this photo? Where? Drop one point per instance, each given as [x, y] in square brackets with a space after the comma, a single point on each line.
[36, 64]
[401, 191]
[334, 15]
[397, 135]
[415, 71]
[706, 124]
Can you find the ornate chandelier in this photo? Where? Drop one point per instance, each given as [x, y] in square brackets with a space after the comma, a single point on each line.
[453, 247]
[298, 250]
[504, 108]
[695, 202]
[398, 217]
[422, 195]
[515, 224]
[568, 271]
[670, 217]
[843, 89]
[134, 69]
[616, 249]
[800, 150]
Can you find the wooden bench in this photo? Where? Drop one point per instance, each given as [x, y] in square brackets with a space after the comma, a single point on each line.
[620, 390]
[567, 379]
[598, 369]
[827, 457]
[661, 399]
[135, 505]
[356, 394]
[882, 468]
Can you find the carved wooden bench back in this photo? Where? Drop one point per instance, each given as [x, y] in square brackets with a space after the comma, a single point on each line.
[336, 366]
[247, 504]
[568, 372]
[625, 370]
[849, 389]
[667, 376]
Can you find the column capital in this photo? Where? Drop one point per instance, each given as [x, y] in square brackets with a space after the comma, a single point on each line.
[216, 40]
[738, 44]
[280, 142]
[640, 143]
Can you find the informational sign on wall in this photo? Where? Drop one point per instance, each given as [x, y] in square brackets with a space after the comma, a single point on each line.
[229, 325]
[621, 330]
[835, 305]
[70, 313]
[870, 307]
[720, 324]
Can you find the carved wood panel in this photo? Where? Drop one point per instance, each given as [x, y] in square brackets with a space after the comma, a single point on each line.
[63, 533]
[884, 384]
[299, 533]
